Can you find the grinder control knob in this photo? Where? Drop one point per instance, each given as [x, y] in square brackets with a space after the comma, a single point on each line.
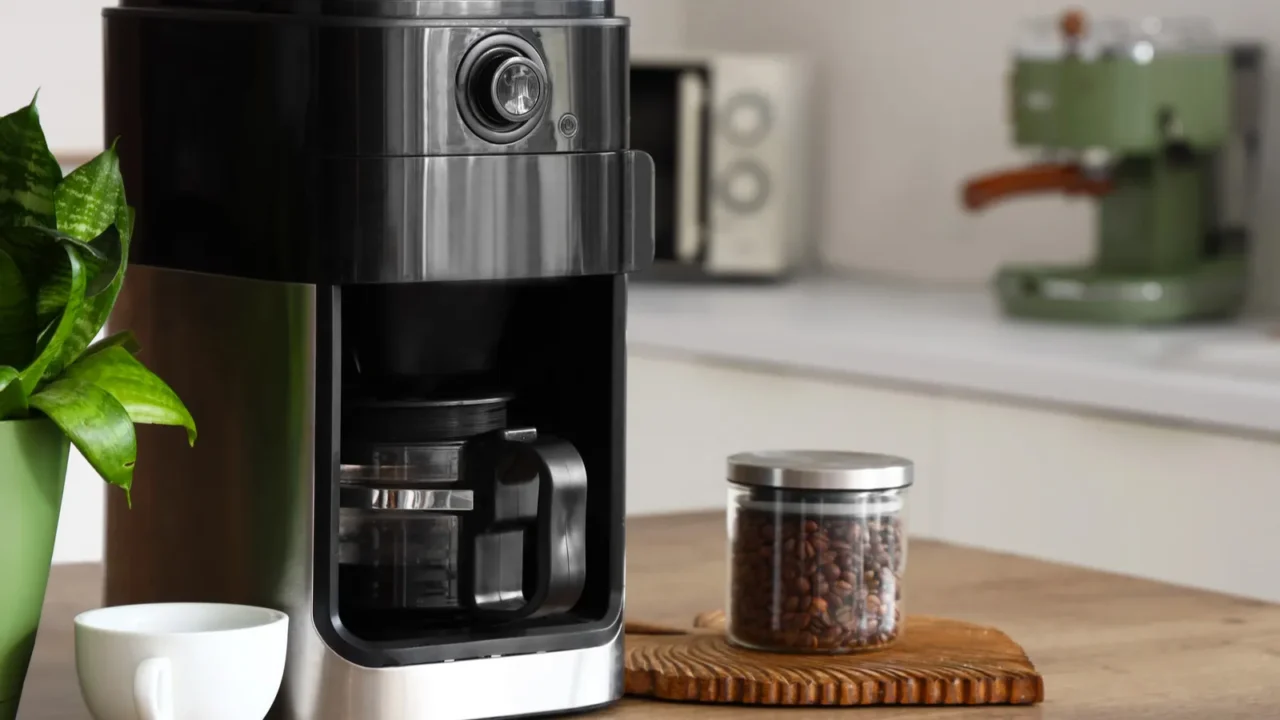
[503, 88]
[516, 89]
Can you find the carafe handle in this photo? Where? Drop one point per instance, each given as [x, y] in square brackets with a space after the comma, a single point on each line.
[538, 509]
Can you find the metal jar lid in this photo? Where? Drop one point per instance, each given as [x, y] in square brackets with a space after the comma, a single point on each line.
[821, 470]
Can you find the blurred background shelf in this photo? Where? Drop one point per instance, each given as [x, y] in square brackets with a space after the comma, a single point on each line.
[955, 342]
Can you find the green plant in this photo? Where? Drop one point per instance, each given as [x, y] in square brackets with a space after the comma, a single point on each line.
[64, 248]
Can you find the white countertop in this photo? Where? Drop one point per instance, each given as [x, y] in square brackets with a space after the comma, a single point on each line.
[1217, 375]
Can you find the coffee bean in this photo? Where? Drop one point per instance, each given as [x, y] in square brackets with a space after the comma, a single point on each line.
[832, 585]
[795, 621]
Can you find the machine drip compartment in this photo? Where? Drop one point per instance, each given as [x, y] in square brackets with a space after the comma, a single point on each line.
[475, 498]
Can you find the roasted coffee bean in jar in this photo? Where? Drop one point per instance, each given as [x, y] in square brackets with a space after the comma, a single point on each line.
[817, 550]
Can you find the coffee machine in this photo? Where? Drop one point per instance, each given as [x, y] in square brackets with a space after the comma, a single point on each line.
[381, 251]
[1158, 120]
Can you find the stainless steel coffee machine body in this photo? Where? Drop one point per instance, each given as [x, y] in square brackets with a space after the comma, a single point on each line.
[382, 250]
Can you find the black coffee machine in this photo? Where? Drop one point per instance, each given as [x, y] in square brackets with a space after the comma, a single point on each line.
[382, 250]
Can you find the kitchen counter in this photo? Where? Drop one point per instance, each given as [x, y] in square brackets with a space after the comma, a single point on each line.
[956, 342]
[1110, 647]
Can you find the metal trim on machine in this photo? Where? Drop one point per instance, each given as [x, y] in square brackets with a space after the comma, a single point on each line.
[410, 499]
[489, 217]
[381, 90]
[417, 9]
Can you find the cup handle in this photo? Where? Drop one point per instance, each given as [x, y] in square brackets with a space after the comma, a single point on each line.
[153, 689]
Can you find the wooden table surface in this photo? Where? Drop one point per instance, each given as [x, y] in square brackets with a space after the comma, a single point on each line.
[1109, 647]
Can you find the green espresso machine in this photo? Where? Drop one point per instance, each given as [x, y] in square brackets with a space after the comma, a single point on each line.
[1159, 122]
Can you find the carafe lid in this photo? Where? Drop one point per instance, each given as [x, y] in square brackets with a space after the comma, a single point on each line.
[401, 9]
[415, 422]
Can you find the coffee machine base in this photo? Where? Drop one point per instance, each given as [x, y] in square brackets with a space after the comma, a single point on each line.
[502, 687]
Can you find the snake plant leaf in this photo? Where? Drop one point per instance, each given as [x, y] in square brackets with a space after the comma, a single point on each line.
[38, 240]
[90, 209]
[146, 397]
[124, 339]
[52, 342]
[98, 308]
[32, 248]
[87, 201]
[17, 315]
[101, 258]
[97, 425]
[124, 221]
[29, 173]
[13, 402]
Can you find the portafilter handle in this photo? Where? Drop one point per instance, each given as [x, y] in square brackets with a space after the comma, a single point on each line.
[531, 498]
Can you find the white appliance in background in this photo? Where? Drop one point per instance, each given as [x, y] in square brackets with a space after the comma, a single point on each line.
[730, 138]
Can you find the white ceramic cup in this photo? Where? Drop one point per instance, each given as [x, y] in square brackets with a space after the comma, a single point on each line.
[181, 661]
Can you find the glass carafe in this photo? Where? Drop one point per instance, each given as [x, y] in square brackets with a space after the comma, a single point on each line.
[477, 522]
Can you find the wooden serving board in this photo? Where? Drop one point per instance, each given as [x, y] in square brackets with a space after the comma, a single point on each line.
[937, 662]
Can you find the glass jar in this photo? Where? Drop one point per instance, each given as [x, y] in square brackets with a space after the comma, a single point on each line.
[817, 550]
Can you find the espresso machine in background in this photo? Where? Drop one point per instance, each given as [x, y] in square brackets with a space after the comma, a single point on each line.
[381, 251]
[1159, 121]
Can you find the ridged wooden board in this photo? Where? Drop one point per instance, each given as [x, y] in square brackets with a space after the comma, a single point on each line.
[937, 662]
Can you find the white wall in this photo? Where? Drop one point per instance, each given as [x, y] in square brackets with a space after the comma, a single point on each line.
[656, 24]
[55, 46]
[81, 525]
